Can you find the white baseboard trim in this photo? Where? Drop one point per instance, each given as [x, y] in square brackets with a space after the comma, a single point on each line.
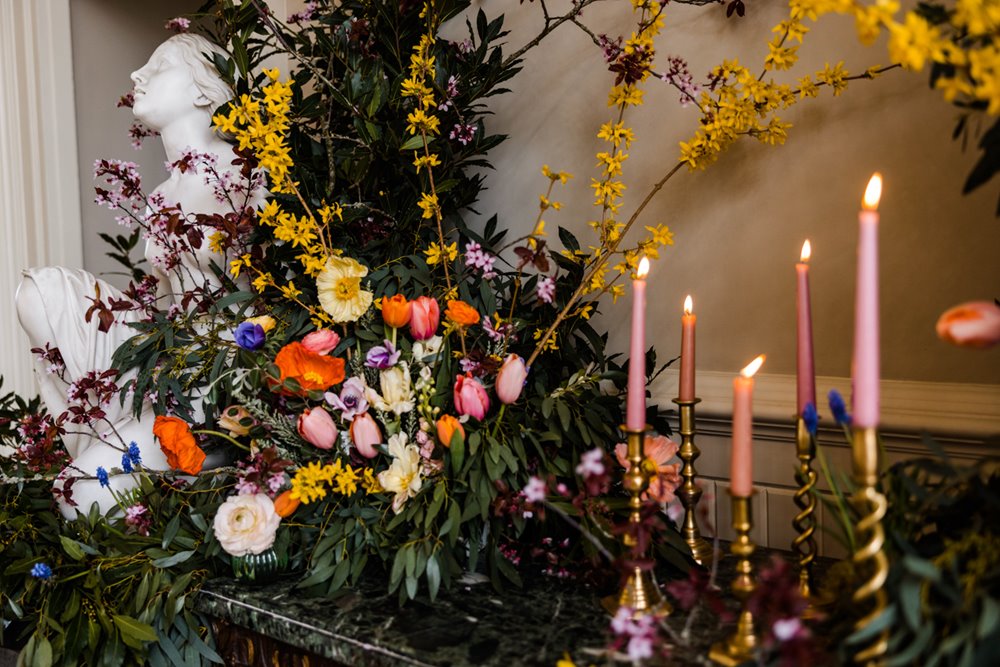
[942, 408]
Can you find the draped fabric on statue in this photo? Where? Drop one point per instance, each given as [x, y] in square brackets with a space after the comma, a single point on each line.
[66, 294]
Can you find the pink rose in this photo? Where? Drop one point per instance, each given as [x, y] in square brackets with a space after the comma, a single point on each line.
[973, 324]
[510, 379]
[425, 315]
[471, 397]
[321, 341]
[365, 434]
[317, 428]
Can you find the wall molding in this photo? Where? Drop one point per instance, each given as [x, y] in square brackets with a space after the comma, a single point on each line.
[39, 184]
[942, 408]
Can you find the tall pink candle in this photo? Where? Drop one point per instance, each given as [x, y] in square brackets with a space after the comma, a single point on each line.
[866, 315]
[805, 367]
[741, 471]
[688, 320]
[635, 413]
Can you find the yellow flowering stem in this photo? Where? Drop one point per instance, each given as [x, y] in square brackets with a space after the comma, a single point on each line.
[437, 216]
[598, 263]
[224, 436]
[327, 246]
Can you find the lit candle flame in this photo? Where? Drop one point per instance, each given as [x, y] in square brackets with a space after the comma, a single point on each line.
[806, 252]
[873, 192]
[643, 268]
[753, 366]
[688, 305]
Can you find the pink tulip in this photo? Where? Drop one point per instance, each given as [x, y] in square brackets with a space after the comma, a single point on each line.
[471, 397]
[425, 315]
[973, 324]
[317, 428]
[321, 341]
[365, 434]
[510, 379]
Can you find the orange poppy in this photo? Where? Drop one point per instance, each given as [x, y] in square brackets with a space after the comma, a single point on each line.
[178, 444]
[313, 372]
[285, 505]
[462, 313]
[396, 311]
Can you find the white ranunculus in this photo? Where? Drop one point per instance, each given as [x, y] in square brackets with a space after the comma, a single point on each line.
[397, 392]
[403, 476]
[246, 524]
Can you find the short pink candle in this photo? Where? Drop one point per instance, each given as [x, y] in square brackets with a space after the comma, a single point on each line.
[866, 315]
[635, 413]
[805, 367]
[688, 320]
[741, 473]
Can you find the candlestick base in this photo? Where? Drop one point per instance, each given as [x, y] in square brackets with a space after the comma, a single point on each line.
[641, 594]
[740, 646]
[689, 492]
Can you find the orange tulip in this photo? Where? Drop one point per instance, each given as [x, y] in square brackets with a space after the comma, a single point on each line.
[178, 444]
[313, 372]
[446, 427]
[285, 505]
[462, 313]
[396, 311]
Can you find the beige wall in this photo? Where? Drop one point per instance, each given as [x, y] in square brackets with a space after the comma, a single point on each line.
[739, 226]
[111, 39]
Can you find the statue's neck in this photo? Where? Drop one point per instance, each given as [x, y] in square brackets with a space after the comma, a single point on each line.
[194, 131]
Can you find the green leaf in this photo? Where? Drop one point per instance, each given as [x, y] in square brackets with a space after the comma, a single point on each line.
[412, 143]
[922, 568]
[909, 600]
[170, 532]
[175, 559]
[457, 450]
[433, 576]
[71, 547]
[989, 615]
[129, 627]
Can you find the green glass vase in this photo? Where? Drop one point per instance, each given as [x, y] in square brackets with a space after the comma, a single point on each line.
[259, 568]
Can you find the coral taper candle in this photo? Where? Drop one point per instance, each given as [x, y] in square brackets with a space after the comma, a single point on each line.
[866, 315]
[741, 472]
[688, 320]
[805, 367]
[635, 414]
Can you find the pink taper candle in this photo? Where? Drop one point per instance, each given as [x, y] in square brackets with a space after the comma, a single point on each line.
[866, 316]
[635, 414]
[805, 368]
[688, 320]
[741, 472]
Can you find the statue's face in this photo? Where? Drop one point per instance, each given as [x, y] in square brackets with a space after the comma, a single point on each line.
[164, 88]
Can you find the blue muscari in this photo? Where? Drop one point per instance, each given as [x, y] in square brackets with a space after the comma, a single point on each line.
[126, 464]
[102, 476]
[811, 417]
[134, 455]
[839, 408]
[41, 571]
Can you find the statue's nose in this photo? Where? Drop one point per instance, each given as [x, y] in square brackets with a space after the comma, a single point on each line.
[137, 76]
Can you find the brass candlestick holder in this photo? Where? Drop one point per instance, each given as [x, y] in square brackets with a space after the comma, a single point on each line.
[739, 647]
[805, 521]
[690, 492]
[640, 592]
[869, 557]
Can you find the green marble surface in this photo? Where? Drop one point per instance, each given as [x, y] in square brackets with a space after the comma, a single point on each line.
[469, 625]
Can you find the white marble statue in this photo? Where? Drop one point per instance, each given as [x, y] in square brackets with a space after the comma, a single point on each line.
[175, 93]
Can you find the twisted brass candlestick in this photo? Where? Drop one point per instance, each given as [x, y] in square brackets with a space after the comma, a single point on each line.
[690, 492]
[739, 647]
[640, 592]
[805, 521]
[869, 557]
